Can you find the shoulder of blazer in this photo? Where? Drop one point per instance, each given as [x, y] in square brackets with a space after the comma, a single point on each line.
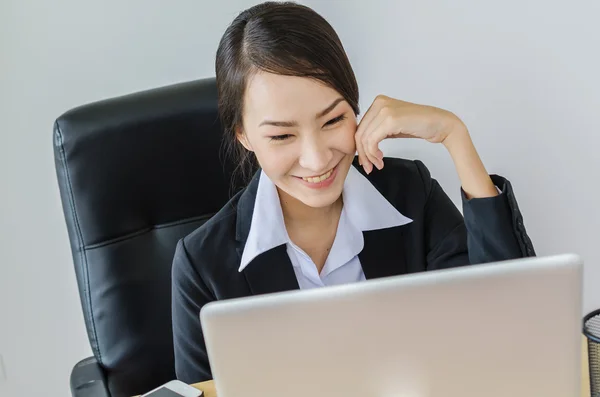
[217, 244]
[406, 184]
[212, 247]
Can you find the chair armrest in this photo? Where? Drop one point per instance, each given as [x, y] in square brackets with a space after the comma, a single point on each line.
[88, 380]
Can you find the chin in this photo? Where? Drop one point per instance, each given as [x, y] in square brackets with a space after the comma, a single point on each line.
[322, 200]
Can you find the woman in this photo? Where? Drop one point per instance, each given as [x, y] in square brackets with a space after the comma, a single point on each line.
[316, 215]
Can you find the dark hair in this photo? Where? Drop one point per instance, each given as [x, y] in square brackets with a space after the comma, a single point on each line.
[284, 38]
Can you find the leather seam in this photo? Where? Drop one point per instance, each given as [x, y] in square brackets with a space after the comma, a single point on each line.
[81, 243]
[146, 230]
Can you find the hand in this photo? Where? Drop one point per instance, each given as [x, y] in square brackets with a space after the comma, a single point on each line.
[392, 118]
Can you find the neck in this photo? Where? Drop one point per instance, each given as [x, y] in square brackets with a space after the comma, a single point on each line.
[296, 212]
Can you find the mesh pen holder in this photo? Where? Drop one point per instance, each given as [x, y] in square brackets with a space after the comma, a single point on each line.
[591, 329]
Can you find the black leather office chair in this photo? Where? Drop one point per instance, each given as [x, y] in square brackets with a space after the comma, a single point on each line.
[136, 174]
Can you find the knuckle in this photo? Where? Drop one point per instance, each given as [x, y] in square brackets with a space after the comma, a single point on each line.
[370, 143]
[380, 99]
[391, 120]
[365, 140]
[385, 111]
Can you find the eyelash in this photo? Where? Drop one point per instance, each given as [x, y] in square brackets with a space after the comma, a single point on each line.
[336, 120]
[330, 122]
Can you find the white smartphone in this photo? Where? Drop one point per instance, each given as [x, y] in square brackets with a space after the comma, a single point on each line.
[174, 388]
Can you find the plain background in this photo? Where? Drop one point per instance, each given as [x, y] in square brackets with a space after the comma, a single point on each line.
[523, 75]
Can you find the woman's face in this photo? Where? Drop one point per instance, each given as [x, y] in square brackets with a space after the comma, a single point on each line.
[302, 133]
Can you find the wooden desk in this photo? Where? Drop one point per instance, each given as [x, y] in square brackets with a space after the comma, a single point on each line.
[209, 387]
[585, 370]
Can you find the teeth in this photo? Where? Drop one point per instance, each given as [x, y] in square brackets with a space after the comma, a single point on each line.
[318, 179]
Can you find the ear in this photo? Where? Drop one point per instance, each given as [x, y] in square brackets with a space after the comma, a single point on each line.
[242, 138]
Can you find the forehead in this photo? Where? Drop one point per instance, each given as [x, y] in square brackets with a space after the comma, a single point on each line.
[280, 97]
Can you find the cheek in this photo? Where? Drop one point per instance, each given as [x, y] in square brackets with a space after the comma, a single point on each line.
[346, 142]
[275, 160]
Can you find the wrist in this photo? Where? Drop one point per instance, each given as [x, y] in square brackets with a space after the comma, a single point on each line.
[457, 135]
[474, 178]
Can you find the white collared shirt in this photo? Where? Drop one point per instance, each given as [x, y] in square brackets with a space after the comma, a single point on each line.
[364, 209]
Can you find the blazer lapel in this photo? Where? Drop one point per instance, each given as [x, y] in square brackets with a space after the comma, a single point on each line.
[271, 271]
[384, 252]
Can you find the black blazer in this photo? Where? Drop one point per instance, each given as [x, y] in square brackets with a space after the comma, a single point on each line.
[206, 262]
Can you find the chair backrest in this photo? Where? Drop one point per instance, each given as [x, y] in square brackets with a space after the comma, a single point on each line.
[137, 173]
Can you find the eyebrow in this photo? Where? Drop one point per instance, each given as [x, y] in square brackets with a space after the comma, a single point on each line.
[294, 123]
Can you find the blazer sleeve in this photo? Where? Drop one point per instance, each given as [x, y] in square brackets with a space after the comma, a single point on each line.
[189, 294]
[492, 228]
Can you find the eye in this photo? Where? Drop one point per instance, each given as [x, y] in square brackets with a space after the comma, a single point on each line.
[336, 120]
[280, 137]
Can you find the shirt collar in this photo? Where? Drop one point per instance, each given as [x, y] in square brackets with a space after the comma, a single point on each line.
[364, 207]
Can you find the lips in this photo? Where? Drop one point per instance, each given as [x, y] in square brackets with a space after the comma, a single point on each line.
[319, 178]
[320, 181]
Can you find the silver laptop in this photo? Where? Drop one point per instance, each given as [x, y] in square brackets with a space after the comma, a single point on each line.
[504, 329]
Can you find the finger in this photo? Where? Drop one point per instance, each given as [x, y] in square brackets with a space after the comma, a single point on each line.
[360, 151]
[362, 157]
[371, 139]
[374, 159]
[376, 135]
[379, 132]
[371, 114]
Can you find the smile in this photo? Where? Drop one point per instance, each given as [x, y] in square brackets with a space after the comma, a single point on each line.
[320, 181]
[319, 178]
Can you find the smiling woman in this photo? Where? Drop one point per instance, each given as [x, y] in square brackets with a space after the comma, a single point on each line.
[315, 214]
[301, 132]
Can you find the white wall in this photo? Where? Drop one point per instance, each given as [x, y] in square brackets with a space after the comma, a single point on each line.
[522, 74]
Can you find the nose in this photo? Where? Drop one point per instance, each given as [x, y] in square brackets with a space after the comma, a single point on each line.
[316, 155]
